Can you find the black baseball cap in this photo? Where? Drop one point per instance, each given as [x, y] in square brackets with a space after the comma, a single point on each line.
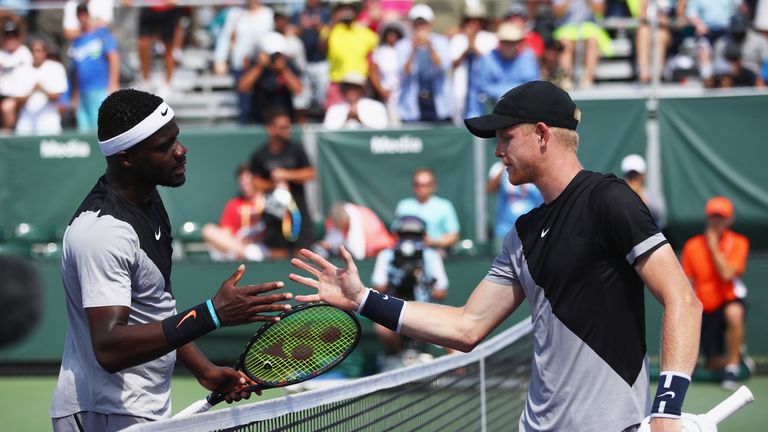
[532, 102]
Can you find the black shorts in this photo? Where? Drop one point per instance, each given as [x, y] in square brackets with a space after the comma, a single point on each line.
[713, 330]
[161, 23]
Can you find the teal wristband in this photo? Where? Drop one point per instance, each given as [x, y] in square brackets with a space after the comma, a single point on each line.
[212, 311]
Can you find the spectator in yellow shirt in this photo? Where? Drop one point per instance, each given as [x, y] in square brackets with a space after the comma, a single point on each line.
[349, 45]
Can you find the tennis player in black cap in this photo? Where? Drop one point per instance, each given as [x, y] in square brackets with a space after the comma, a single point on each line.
[581, 259]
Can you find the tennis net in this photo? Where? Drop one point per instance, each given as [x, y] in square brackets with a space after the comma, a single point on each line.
[481, 390]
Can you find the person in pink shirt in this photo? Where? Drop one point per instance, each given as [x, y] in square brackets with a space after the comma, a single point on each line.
[357, 228]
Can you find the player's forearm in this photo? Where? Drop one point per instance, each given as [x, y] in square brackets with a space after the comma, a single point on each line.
[462, 328]
[442, 325]
[681, 325]
[118, 345]
[193, 359]
[681, 328]
[125, 346]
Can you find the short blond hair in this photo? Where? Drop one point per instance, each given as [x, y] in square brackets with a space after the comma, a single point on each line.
[569, 138]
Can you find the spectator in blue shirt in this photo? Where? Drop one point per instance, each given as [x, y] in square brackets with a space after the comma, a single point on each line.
[425, 63]
[506, 67]
[438, 213]
[95, 67]
[511, 201]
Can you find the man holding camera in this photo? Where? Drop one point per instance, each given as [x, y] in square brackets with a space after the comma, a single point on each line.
[409, 270]
[272, 78]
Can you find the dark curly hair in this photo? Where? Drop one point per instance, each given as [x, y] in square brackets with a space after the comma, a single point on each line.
[123, 110]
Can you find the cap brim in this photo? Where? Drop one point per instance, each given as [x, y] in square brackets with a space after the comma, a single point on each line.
[487, 125]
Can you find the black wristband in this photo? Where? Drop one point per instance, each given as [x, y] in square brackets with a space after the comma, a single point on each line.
[670, 394]
[383, 309]
[189, 325]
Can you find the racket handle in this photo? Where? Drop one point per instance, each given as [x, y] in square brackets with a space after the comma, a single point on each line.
[733, 403]
[198, 407]
[708, 422]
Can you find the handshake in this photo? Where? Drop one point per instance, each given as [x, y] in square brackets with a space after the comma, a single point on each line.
[708, 422]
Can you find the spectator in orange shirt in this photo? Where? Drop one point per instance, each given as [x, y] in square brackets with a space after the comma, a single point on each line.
[714, 262]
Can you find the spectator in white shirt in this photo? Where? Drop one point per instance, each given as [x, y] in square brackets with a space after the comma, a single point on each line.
[357, 110]
[39, 87]
[238, 41]
[385, 70]
[13, 55]
[101, 13]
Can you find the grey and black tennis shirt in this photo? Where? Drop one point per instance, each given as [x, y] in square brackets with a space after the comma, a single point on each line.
[574, 258]
[115, 254]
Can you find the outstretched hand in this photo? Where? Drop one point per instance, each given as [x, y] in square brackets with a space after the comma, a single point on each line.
[340, 287]
[246, 304]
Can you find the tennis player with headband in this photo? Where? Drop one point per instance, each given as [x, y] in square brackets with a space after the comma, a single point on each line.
[581, 260]
[124, 334]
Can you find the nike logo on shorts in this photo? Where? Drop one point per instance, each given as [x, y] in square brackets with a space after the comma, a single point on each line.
[544, 232]
[157, 234]
[192, 313]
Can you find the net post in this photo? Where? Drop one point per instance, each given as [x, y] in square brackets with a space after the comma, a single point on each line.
[483, 409]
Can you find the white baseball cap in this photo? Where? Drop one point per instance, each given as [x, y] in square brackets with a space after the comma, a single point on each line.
[274, 42]
[355, 78]
[421, 11]
[633, 162]
[510, 32]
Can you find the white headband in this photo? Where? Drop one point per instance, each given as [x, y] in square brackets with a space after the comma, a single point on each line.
[159, 118]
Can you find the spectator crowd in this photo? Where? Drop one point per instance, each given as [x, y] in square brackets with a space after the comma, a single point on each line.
[355, 60]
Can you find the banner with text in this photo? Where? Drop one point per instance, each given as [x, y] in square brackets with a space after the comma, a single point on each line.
[375, 168]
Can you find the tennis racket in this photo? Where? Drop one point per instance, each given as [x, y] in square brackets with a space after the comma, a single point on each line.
[306, 342]
[708, 422]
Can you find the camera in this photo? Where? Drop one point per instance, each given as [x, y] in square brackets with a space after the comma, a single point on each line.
[406, 276]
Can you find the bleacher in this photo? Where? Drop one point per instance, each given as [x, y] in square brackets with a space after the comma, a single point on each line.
[620, 67]
[202, 98]
[198, 95]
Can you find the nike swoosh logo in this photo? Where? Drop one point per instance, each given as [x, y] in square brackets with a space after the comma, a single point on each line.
[157, 234]
[544, 232]
[192, 313]
[669, 393]
[386, 297]
[164, 112]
